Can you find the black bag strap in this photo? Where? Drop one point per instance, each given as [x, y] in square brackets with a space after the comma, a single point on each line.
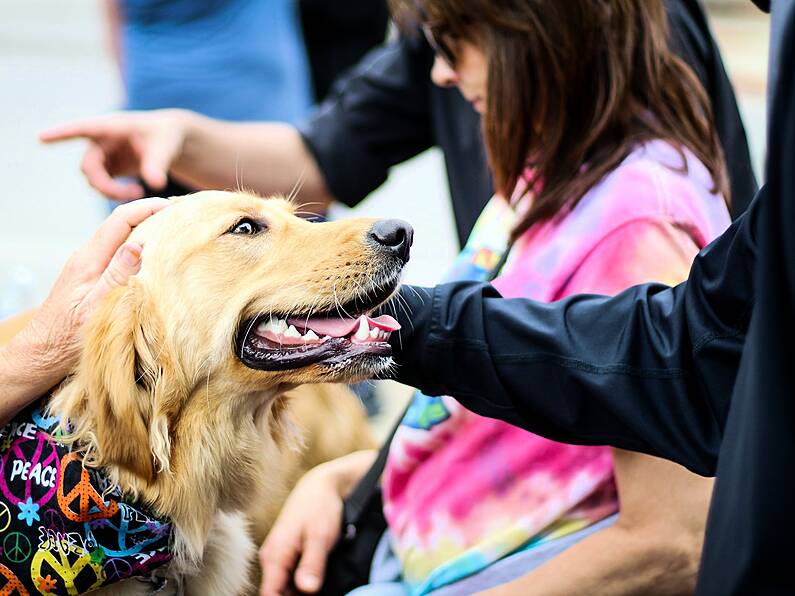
[356, 502]
[495, 271]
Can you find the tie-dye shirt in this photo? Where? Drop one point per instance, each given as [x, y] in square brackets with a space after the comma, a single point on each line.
[462, 491]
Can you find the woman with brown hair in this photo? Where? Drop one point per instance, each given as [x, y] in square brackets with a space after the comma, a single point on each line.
[608, 173]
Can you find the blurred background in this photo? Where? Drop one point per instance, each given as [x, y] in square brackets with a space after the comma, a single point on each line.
[57, 64]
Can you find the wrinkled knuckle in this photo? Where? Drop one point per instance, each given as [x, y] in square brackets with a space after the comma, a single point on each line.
[71, 265]
[115, 277]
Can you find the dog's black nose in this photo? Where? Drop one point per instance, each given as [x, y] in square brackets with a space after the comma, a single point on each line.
[394, 235]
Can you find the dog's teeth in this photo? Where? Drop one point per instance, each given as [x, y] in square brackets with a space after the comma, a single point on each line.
[276, 325]
[271, 325]
[310, 335]
[325, 337]
[292, 332]
[363, 332]
[374, 333]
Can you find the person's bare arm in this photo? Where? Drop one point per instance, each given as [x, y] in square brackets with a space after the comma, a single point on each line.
[653, 548]
[46, 349]
[309, 525]
[267, 158]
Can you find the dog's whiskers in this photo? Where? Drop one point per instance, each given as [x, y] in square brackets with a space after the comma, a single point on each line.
[238, 176]
[299, 184]
[401, 301]
[302, 205]
[311, 310]
[338, 305]
[416, 293]
[204, 363]
[250, 327]
[308, 213]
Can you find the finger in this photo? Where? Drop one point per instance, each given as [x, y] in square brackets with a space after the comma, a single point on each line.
[155, 164]
[277, 557]
[124, 264]
[94, 168]
[312, 566]
[274, 581]
[116, 228]
[97, 253]
[90, 129]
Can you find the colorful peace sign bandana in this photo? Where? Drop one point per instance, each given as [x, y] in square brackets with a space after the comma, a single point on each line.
[63, 529]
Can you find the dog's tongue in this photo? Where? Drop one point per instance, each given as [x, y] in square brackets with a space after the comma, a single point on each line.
[342, 327]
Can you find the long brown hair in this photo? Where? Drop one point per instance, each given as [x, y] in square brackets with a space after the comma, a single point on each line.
[573, 87]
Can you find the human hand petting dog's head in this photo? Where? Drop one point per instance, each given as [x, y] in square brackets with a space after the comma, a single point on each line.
[51, 340]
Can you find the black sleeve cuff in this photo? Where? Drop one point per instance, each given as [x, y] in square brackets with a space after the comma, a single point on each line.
[348, 171]
[375, 117]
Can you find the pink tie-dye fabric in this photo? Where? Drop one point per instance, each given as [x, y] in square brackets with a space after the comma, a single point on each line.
[462, 491]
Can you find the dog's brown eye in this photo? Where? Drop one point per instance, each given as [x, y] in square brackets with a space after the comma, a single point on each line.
[245, 226]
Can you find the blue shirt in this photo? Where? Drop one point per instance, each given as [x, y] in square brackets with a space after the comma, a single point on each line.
[228, 59]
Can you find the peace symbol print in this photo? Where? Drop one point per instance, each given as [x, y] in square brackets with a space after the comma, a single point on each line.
[134, 532]
[29, 469]
[12, 585]
[90, 503]
[17, 547]
[5, 517]
[117, 569]
[51, 519]
[69, 564]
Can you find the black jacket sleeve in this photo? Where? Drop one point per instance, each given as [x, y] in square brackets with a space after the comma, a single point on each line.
[376, 116]
[650, 370]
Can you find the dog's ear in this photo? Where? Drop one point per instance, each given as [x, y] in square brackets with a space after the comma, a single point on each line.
[129, 382]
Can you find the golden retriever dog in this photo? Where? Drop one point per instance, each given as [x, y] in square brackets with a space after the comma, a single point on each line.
[180, 397]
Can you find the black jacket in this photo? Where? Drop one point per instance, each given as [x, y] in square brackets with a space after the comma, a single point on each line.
[338, 34]
[387, 110]
[702, 374]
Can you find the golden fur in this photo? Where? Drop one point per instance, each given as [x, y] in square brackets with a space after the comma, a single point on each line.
[162, 402]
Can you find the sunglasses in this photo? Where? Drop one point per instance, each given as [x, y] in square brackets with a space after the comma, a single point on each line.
[438, 44]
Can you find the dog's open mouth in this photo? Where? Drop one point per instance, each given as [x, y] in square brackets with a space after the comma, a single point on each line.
[274, 343]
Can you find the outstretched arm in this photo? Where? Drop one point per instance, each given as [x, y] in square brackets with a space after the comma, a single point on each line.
[376, 117]
[649, 370]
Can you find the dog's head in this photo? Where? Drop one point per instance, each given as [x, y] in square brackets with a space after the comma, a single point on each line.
[237, 297]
